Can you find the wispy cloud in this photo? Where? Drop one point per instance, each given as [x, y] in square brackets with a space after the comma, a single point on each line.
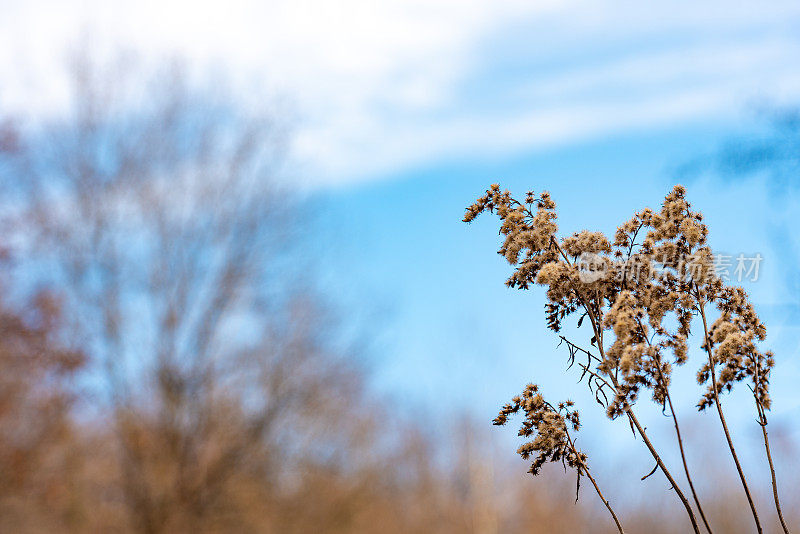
[383, 86]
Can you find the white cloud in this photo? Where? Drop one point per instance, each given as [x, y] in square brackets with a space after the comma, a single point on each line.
[381, 86]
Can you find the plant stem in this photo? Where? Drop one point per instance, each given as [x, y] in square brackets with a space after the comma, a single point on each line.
[585, 469]
[686, 466]
[663, 467]
[763, 424]
[762, 421]
[668, 398]
[711, 363]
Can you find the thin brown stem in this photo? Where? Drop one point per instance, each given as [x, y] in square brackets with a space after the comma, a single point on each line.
[711, 363]
[762, 421]
[763, 424]
[585, 469]
[605, 501]
[668, 398]
[663, 468]
[685, 465]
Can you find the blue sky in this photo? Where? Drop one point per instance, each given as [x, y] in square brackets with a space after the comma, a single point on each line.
[406, 111]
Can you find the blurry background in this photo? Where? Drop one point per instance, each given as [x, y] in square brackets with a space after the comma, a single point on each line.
[237, 295]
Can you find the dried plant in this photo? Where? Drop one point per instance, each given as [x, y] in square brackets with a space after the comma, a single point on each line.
[550, 425]
[640, 294]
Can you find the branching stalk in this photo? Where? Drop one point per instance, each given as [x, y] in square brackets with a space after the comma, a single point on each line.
[628, 411]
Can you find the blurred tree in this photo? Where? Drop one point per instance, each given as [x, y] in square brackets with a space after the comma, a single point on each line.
[154, 211]
[36, 395]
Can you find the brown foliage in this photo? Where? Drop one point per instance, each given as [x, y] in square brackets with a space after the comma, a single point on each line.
[36, 428]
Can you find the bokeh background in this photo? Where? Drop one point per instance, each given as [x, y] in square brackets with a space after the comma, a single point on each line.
[237, 294]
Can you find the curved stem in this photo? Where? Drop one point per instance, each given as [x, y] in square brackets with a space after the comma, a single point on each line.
[686, 466]
[663, 468]
[668, 398]
[772, 473]
[711, 363]
[616, 521]
[762, 421]
[585, 469]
